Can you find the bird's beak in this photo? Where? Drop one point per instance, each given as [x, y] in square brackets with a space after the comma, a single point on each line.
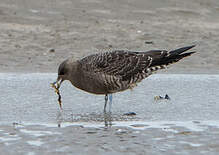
[58, 81]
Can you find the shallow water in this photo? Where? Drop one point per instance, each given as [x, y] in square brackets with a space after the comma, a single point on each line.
[188, 123]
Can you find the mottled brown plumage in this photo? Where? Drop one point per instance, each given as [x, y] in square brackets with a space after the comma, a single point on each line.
[111, 72]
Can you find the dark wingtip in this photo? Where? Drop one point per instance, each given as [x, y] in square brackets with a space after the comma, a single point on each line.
[193, 52]
[186, 54]
[189, 47]
[181, 50]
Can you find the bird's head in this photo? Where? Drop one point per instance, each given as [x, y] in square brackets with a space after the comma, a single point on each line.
[65, 70]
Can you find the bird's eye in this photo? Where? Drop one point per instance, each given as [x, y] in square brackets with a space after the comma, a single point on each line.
[61, 72]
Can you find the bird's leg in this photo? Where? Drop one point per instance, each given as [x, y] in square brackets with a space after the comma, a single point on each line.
[106, 99]
[110, 102]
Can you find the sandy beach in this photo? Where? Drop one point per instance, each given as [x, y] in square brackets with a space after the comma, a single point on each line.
[36, 36]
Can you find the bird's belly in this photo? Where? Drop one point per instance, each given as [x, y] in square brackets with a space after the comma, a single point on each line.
[98, 84]
[91, 85]
[94, 90]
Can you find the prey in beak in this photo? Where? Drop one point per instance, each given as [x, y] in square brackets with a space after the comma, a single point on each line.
[56, 85]
[63, 74]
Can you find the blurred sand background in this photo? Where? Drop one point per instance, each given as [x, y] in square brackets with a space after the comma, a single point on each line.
[36, 36]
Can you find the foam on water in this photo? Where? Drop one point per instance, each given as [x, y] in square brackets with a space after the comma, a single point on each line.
[38, 133]
[166, 126]
[5, 139]
[35, 143]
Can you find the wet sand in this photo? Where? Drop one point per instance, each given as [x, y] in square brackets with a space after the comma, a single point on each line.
[158, 138]
[32, 123]
[37, 35]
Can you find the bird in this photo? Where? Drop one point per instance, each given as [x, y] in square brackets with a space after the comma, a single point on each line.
[114, 71]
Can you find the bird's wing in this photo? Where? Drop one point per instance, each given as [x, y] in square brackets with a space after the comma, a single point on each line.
[118, 63]
[132, 66]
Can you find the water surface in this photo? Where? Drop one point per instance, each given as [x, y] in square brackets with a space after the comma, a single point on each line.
[188, 123]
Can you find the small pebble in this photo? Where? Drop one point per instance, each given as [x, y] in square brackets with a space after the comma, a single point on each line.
[149, 42]
[52, 50]
[17, 46]
[110, 46]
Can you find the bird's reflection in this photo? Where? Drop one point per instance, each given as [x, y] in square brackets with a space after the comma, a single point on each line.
[59, 117]
[106, 117]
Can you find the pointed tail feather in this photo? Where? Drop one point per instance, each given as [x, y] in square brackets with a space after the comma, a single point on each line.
[180, 50]
[172, 57]
[178, 54]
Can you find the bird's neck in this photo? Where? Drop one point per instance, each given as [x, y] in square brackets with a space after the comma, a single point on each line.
[75, 75]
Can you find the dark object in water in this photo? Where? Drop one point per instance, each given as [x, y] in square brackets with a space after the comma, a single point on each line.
[162, 98]
[106, 73]
[185, 133]
[167, 97]
[130, 114]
